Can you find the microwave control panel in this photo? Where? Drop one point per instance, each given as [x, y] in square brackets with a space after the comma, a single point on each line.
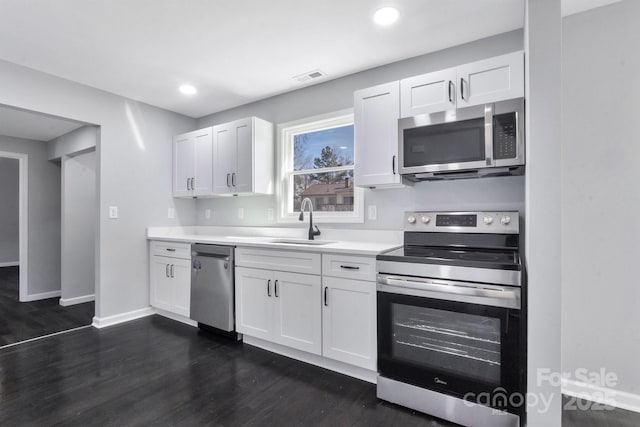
[505, 136]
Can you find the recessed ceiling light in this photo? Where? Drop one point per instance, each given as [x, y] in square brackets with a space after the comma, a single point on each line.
[187, 89]
[386, 16]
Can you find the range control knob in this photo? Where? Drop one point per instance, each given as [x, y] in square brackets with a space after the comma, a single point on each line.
[425, 219]
[488, 220]
[411, 219]
[505, 220]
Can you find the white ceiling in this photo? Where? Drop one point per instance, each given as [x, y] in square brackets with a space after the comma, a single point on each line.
[233, 51]
[25, 124]
[570, 7]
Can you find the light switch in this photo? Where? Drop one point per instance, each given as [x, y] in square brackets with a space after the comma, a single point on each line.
[240, 213]
[113, 212]
[373, 212]
[207, 213]
[171, 213]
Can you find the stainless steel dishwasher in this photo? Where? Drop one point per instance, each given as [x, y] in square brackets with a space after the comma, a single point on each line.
[212, 296]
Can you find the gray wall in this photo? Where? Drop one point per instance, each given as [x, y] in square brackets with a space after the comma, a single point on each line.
[494, 193]
[9, 212]
[82, 139]
[44, 214]
[134, 159]
[79, 221]
[543, 62]
[601, 194]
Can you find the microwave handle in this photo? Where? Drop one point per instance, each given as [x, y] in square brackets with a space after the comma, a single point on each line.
[488, 134]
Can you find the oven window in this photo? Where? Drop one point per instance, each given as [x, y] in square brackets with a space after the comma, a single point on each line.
[458, 343]
[457, 142]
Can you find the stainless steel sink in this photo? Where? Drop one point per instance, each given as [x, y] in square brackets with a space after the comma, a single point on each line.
[302, 241]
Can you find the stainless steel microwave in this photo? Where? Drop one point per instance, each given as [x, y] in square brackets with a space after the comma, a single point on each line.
[483, 140]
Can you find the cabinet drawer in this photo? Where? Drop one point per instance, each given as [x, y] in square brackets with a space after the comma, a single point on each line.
[173, 250]
[349, 267]
[274, 259]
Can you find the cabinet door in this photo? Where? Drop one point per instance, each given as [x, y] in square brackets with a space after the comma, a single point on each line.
[428, 93]
[376, 135]
[183, 164]
[203, 175]
[180, 270]
[491, 80]
[224, 158]
[160, 291]
[349, 321]
[242, 180]
[298, 313]
[254, 302]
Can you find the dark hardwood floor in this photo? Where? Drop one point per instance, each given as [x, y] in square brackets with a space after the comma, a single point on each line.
[22, 321]
[157, 372]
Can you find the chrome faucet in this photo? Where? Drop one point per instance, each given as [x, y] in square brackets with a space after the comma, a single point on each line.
[312, 232]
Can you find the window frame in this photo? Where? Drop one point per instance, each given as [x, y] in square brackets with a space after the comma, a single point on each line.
[284, 189]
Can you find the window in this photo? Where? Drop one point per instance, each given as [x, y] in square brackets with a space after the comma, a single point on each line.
[317, 162]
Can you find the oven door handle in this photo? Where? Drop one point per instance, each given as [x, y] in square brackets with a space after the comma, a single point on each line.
[416, 287]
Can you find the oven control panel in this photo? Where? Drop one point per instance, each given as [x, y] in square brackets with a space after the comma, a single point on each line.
[463, 222]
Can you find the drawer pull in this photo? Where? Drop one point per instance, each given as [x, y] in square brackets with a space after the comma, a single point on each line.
[350, 267]
[171, 249]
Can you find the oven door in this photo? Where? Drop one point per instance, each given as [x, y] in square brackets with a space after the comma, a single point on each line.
[460, 339]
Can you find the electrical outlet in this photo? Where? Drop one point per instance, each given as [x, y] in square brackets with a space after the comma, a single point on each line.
[207, 213]
[373, 212]
[171, 213]
[270, 214]
[240, 213]
[113, 212]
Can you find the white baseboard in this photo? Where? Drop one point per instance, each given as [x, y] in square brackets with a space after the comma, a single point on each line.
[313, 359]
[176, 317]
[10, 264]
[65, 302]
[606, 396]
[43, 295]
[103, 322]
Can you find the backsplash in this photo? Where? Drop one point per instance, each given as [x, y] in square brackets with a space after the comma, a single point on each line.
[499, 193]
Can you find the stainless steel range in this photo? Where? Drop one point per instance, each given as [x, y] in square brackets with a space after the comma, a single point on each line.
[450, 330]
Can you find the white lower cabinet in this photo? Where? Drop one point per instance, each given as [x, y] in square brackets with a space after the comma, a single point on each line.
[170, 281]
[280, 307]
[332, 315]
[349, 321]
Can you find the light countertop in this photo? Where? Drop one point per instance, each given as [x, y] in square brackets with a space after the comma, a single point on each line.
[351, 242]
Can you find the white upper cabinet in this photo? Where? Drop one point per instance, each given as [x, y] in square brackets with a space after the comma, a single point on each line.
[491, 80]
[482, 82]
[192, 163]
[428, 93]
[243, 157]
[376, 114]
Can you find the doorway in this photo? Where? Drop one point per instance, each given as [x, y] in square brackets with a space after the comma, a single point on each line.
[33, 151]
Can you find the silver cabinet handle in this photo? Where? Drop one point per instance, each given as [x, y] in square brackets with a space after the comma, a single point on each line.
[275, 288]
[166, 270]
[193, 183]
[188, 184]
[171, 270]
[393, 164]
[228, 175]
[233, 179]
[171, 249]
[269, 287]
[450, 91]
[325, 296]
[462, 88]
[350, 267]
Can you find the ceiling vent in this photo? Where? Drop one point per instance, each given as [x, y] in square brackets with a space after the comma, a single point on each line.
[310, 75]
